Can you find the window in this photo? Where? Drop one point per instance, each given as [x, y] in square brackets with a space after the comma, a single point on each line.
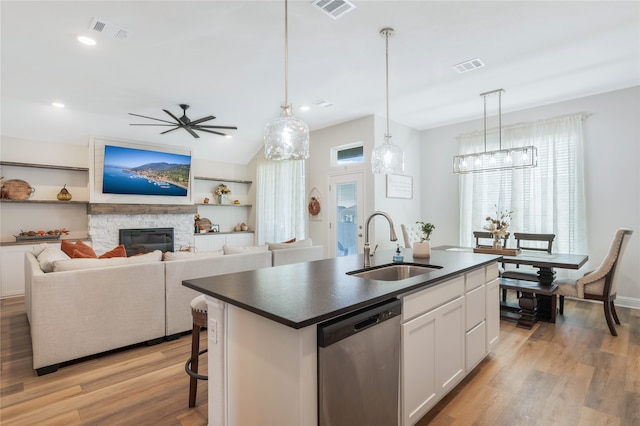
[347, 154]
[548, 198]
[280, 200]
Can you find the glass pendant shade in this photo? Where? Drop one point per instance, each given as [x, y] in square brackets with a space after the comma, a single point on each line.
[286, 137]
[387, 158]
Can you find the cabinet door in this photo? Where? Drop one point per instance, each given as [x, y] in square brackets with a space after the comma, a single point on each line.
[209, 242]
[240, 240]
[493, 313]
[12, 267]
[432, 358]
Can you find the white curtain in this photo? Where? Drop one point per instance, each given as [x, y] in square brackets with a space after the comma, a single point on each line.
[280, 201]
[548, 198]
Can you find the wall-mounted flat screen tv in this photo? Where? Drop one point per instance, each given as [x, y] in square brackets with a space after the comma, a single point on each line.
[143, 172]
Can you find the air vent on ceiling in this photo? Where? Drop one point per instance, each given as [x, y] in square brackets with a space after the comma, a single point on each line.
[110, 30]
[323, 103]
[469, 65]
[334, 8]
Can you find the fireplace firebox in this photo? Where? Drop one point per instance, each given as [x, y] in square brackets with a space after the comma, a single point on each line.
[139, 241]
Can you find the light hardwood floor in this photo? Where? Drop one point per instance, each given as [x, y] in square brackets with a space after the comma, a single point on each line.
[569, 373]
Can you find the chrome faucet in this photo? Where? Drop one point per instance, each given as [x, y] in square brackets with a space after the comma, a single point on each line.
[367, 249]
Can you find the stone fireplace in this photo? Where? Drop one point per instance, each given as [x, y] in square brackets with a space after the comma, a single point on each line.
[106, 221]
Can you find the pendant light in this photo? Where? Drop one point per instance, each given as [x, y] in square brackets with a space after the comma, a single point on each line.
[501, 159]
[387, 158]
[286, 137]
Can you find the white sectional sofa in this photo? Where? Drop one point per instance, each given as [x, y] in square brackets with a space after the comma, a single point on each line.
[88, 306]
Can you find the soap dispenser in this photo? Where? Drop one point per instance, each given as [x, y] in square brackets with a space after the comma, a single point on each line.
[398, 256]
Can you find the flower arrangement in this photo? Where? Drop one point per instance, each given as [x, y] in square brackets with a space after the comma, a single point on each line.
[499, 225]
[427, 229]
[222, 189]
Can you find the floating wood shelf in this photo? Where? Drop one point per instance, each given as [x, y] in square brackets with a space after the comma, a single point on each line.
[117, 208]
[222, 180]
[44, 166]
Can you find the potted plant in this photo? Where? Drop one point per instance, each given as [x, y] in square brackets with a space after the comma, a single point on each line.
[423, 247]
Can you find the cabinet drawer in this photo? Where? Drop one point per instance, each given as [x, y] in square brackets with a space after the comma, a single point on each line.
[492, 272]
[426, 300]
[475, 346]
[475, 303]
[474, 279]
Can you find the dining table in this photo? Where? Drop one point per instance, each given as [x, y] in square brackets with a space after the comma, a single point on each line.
[537, 301]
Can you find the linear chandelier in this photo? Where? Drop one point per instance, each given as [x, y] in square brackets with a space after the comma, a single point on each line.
[501, 159]
[286, 137]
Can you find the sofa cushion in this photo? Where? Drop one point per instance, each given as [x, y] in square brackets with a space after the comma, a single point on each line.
[296, 244]
[119, 251]
[39, 249]
[80, 249]
[240, 250]
[50, 255]
[79, 264]
[178, 255]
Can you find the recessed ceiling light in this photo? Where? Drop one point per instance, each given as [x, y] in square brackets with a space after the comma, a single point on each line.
[86, 40]
[57, 104]
[228, 136]
[304, 108]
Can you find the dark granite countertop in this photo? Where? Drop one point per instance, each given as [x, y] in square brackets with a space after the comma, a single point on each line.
[303, 294]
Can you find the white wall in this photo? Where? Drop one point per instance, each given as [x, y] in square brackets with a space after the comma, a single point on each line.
[370, 131]
[612, 156]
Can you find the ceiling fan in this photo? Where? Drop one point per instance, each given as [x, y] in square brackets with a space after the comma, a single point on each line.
[185, 123]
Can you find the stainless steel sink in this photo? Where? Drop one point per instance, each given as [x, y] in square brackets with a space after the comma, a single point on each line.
[394, 271]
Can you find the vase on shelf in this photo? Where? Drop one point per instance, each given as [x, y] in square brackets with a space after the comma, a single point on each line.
[223, 199]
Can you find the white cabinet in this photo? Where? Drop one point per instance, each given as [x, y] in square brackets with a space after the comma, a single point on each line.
[215, 241]
[492, 306]
[432, 347]
[12, 267]
[447, 330]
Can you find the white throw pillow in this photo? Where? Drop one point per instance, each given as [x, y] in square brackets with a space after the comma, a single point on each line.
[85, 263]
[179, 255]
[295, 244]
[37, 250]
[50, 255]
[241, 250]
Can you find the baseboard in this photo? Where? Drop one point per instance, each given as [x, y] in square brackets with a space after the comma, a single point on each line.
[628, 302]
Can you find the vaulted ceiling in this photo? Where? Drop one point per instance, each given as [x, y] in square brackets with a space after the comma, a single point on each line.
[226, 58]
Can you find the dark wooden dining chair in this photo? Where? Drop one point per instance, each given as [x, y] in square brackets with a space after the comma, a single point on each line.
[527, 242]
[486, 235]
[600, 283]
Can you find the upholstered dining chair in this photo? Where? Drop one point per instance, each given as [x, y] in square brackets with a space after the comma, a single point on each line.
[600, 283]
[411, 234]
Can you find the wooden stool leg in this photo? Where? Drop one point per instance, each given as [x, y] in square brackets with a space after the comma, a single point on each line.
[195, 349]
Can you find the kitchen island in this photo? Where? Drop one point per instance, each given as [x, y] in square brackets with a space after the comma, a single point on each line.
[263, 343]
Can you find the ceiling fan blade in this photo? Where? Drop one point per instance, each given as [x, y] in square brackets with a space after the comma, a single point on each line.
[174, 117]
[172, 124]
[151, 118]
[170, 130]
[194, 134]
[212, 131]
[201, 120]
[217, 127]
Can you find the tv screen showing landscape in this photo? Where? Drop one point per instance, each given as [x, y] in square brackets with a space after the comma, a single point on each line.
[142, 172]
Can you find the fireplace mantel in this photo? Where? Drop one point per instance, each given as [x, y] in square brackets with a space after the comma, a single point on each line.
[117, 208]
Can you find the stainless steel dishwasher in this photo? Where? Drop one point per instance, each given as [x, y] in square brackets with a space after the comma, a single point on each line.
[358, 367]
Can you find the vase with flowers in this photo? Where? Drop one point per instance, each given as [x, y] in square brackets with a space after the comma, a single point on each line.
[222, 193]
[422, 248]
[498, 226]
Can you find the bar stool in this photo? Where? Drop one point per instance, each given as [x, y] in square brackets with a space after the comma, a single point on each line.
[199, 313]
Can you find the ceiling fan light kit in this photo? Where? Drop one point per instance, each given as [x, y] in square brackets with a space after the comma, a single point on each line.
[387, 158]
[286, 137]
[186, 123]
[501, 159]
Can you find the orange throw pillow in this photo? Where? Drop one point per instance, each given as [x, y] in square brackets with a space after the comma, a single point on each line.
[79, 249]
[293, 240]
[116, 252]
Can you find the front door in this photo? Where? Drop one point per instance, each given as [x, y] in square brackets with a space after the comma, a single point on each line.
[346, 221]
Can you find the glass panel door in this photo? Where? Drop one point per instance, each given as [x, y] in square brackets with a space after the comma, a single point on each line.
[346, 221]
